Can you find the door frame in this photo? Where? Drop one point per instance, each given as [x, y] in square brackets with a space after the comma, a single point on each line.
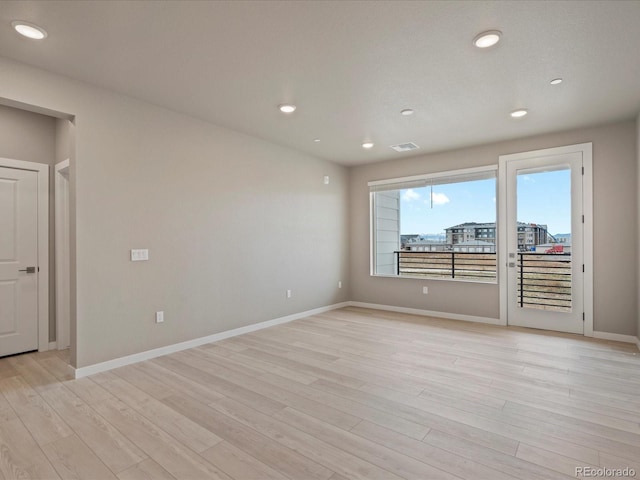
[62, 259]
[43, 243]
[586, 149]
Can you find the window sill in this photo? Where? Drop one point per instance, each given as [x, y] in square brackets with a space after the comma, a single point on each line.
[437, 279]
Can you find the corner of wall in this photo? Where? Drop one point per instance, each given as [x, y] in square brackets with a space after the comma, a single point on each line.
[638, 232]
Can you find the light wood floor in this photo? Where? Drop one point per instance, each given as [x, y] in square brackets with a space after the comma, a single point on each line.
[350, 394]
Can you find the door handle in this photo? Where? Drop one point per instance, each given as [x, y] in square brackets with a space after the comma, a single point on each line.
[29, 270]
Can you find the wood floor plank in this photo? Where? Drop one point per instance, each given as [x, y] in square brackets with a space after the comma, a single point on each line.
[74, 460]
[489, 457]
[277, 456]
[6, 411]
[387, 458]
[21, 457]
[87, 390]
[7, 370]
[145, 470]
[116, 451]
[188, 366]
[304, 443]
[175, 458]
[451, 423]
[238, 464]
[442, 459]
[132, 374]
[611, 433]
[33, 373]
[349, 370]
[175, 382]
[57, 367]
[317, 371]
[612, 461]
[277, 347]
[350, 407]
[40, 419]
[180, 427]
[503, 426]
[551, 460]
[244, 376]
[290, 373]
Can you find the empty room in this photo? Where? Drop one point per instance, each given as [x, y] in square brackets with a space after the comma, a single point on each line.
[319, 240]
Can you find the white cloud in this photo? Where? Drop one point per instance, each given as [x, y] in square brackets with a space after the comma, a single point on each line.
[439, 198]
[410, 195]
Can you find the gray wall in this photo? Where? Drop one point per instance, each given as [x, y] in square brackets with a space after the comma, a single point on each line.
[231, 221]
[638, 232]
[615, 228]
[31, 137]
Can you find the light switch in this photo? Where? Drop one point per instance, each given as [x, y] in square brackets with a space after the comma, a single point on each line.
[139, 254]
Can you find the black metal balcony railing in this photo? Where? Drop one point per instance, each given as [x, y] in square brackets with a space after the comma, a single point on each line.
[544, 279]
[469, 266]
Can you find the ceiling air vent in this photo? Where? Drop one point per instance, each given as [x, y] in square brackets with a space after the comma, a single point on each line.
[405, 147]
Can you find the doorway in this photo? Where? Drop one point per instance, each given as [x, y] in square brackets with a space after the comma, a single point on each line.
[24, 256]
[546, 237]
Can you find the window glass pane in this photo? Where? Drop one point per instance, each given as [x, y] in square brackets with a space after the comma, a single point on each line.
[544, 255]
[442, 229]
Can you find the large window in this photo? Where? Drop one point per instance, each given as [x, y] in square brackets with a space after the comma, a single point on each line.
[440, 225]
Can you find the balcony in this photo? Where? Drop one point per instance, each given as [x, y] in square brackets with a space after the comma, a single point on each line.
[480, 267]
[543, 279]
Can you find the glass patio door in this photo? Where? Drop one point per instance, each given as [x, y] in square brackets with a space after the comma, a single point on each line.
[545, 242]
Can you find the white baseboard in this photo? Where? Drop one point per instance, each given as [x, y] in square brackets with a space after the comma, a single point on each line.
[53, 346]
[196, 342]
[427, 313]
[617, 337]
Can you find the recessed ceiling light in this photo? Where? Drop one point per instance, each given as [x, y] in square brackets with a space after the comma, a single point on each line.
[521, 112]
[367, 145]
[406, 112]
[29, 30]
[556, 81]
[287, 108]
[487, 39]
[316, 140]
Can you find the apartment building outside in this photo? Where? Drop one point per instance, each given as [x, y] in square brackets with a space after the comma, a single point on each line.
[529, 234]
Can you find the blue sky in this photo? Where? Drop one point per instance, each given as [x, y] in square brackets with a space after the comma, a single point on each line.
[542, 198]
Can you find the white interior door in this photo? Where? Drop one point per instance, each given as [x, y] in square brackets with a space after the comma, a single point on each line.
[18, 261]
[545, 257]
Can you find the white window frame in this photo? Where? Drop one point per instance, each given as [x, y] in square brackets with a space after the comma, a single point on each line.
[426, 178]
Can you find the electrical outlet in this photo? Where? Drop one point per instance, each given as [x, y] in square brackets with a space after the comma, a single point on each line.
[425, 290]
[159, 317]
[339, 283]
[288, 293]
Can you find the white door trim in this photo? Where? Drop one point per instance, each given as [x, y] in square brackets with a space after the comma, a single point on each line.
[63, 327]
[43, 243]
[586, 149]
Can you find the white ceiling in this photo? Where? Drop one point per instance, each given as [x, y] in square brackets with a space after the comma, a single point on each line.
[350, 66]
